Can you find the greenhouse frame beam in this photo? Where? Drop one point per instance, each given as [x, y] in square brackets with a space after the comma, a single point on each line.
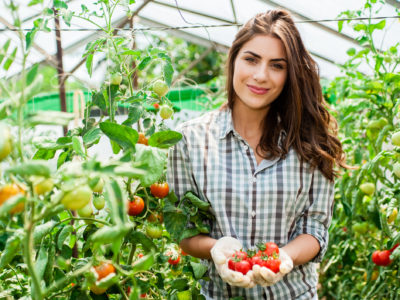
[194, 12]
[49, 58]
[393, 3]
[319, 25]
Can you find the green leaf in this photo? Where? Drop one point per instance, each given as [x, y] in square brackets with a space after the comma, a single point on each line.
[188, 233]
[175, 223]
[59, 4]
[77, 146]
[179, 284]
[378, 63]
[168, 72]
[144, 263]
[153, 161]
[124, 136]
[198, 269]
[41, 261]
[33, 167]
[340, 26]
[144, 62]
[92, 137]
[165, 139]
[42, 230]
[11, 249]
[10, 60]
[107, 234]
[49, 117]
[135, 112]
[89, 64]
[381, 25]
[196, 201]
[32, 74]
[138, 237]
[359, 27]
[351, 51]
[61, 158]
[64, 233]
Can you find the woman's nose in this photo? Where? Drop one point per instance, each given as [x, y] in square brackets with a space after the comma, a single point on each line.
[261, 74]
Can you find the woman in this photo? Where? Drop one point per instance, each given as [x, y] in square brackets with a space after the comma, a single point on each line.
[265, 163]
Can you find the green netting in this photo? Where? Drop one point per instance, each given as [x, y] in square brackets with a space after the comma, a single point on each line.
[190, 98]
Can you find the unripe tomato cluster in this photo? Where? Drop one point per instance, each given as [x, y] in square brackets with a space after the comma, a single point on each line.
[267, 256]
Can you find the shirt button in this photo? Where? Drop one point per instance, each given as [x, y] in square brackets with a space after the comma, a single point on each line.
[253, 213]
[254, 179]
[245, 147]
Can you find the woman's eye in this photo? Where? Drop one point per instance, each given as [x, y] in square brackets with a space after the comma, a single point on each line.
[250, 59]
[278, 66]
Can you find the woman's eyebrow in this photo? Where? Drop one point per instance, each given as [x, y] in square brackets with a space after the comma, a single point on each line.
[258, 56]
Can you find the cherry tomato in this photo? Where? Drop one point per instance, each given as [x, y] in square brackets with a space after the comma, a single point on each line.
[174, 258]
[381, 258]
[269, 248]
[159, 190]
[103, 270]
[166, 112]
[8, 191]
[116, 79]
[86, 211]
[243, 267]
[155, 217]
[273, 265]
[142, 139]
[160, 88]
[156, 105]
[239, 262]
[99, 202]
[98, 188]
[43, 186]
[77, 198]
[154, 230]
[136, 206]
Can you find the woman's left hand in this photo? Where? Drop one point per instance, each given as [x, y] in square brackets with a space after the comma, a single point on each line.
[265, 277]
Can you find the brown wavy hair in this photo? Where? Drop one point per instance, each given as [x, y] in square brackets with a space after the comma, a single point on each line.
[300, 110]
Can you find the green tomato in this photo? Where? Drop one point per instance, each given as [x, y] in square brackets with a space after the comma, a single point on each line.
[166, 112]
[43, 186]
[99, 202]
[383, 122]
[98, 188]
[361, 228]
[396, 169]
[160, 88]
[154, 230]
[374, 124]
[116, 79]
[77, 198]
[396, 138]
[184, 295]
[86, 211]
[367, 188]
[5, 142]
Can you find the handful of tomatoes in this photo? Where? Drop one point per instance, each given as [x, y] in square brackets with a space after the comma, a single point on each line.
[267, 256]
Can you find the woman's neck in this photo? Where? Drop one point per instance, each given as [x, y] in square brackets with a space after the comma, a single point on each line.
[247, 122]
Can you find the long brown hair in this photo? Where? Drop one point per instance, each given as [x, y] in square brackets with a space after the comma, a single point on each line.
[300, 110]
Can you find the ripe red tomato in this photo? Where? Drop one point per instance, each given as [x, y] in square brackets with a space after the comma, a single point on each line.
[273, 265]
[136, 206]
[159, 190]
[173, 259]
[269, 248]
[240, 262]
[381, 258]
[156, 105]
[155, 217]
[103, 270]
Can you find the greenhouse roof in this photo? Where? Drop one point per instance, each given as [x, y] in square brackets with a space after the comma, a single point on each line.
[208, 22]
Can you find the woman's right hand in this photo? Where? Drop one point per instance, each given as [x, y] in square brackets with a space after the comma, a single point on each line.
[223, 249]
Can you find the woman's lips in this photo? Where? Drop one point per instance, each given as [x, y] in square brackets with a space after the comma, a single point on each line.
[257, 90]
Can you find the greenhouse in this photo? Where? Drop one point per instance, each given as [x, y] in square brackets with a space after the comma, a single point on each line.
[169, 149]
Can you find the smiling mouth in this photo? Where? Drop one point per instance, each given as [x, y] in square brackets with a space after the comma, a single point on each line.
[257, 90]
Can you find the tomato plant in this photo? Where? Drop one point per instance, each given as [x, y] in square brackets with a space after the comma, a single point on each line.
[366, 107]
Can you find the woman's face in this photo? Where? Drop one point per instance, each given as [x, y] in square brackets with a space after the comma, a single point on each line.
[260, 72]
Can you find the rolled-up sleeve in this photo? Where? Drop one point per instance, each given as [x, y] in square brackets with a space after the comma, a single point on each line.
[316, 218]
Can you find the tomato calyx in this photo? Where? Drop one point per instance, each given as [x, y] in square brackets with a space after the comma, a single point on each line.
[269, 248]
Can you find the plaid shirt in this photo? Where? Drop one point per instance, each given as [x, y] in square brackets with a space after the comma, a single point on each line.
[276, 200]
